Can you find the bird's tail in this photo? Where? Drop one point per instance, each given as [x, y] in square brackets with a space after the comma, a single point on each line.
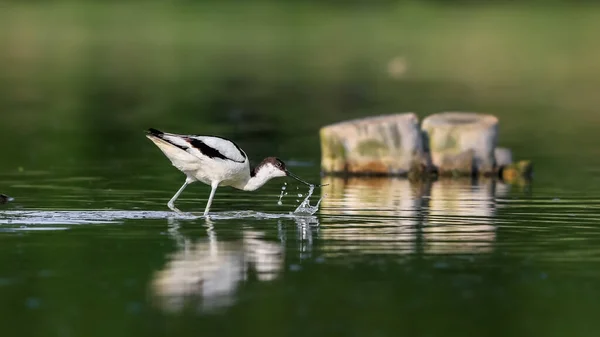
[171, 138]
[155, 132]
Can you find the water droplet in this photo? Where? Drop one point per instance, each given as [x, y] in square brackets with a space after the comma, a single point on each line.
[281, 195]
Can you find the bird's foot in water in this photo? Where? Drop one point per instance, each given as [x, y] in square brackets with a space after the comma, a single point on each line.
[179, 212]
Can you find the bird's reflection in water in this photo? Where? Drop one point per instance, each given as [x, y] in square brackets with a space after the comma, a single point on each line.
[205, 274]
[382, 215]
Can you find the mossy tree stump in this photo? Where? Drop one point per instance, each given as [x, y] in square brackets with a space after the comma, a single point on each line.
[461, 143]
[450, 144]
[382, 145]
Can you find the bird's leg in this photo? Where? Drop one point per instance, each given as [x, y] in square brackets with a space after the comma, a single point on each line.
[214, 186]
[171, 203]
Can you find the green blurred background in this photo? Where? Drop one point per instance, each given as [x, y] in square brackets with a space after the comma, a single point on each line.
[98, 73]
[81, 80]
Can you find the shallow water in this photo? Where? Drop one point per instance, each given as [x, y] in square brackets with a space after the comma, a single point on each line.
[380, 256]
[89, 248]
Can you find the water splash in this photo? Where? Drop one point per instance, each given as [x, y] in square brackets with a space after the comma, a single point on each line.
[281, 195]
[254, 215]
[305, 208]
[41, 220]
[30, 220]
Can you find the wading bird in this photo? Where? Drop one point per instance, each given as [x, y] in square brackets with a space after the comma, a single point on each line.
[215, 161]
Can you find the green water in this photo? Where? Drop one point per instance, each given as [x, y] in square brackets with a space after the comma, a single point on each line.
[89, 248]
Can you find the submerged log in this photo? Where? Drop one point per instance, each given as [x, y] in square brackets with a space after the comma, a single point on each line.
[382, 145]
[517, 172]
[510, 172]
[461, 143]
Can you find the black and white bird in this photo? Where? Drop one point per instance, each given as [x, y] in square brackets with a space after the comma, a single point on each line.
[215, 161]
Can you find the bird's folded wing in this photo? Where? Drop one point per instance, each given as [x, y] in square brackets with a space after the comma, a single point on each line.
[203, 146]
[216, 147]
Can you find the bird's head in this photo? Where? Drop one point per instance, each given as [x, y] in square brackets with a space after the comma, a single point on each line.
[270, 167]
[273, 167]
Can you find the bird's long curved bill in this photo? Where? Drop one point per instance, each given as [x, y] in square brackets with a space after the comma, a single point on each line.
[290, 174]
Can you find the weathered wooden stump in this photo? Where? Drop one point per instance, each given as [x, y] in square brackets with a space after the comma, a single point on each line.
[383, 145]
[461, 143]
[449, 144]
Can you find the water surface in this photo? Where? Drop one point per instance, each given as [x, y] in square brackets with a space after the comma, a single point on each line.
[89, 248]
[381, 256]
